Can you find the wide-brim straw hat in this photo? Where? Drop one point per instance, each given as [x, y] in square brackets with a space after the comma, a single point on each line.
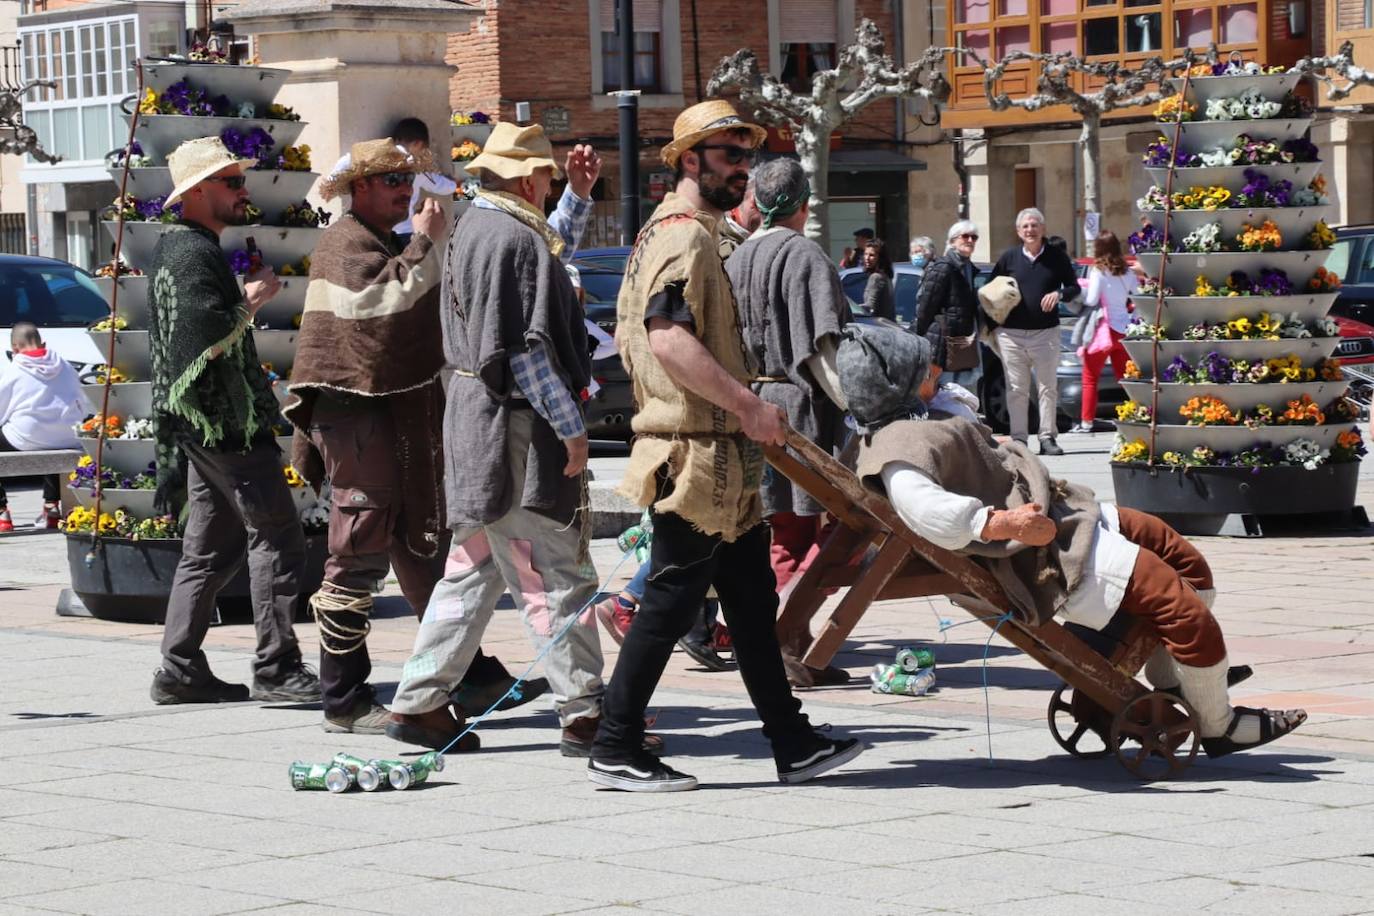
[373, 157]
[196, 160]
[999, 296]
[512, 151]
[701, 121]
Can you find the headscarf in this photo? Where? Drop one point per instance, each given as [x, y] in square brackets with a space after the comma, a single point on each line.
[881, 369]
[783, 207]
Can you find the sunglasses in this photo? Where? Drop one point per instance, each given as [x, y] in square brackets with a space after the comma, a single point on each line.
[734, 154]
[232, 182]
[969, 236]
[396, 179]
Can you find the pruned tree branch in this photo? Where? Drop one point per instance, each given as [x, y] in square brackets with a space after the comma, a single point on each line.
[1343, 63]
[25, 140]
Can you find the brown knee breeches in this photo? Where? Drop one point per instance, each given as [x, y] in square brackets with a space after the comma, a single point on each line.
[1163, 591]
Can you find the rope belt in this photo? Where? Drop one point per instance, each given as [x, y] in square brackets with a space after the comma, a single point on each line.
[770, 378]
[332, 606]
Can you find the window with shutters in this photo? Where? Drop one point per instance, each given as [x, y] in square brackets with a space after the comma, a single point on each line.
[1354, 15]
[809, 31]
[648, 46]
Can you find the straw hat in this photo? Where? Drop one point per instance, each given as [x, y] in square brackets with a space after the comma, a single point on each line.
[701, 121]
[196, 160]
[999, 296]
[372, 157]
[513, 151]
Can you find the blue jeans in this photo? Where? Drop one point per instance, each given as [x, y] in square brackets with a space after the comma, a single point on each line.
[635, 589]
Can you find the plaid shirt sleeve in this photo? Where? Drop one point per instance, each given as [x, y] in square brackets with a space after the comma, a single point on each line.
[569, 220]
[541, 385]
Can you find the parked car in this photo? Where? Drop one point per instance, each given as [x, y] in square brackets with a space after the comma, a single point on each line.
[61, 298]
[609, 411]
[992, 390]
[1352, 260]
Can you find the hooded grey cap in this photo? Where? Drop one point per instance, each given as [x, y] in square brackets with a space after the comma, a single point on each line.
[881, 368]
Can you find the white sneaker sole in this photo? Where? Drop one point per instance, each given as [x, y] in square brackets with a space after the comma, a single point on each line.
[822, 766]
[626, 784]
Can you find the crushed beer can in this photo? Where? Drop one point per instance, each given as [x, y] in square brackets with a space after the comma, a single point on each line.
[327, 776]
[367, 776]
[403, 775]
[891, 679]
[911, 659]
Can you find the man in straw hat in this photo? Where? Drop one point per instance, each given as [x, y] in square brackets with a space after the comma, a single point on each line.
[366, 404]
[697, 464]
[1051, 546]
[515, 447]
[213, 415]
[793, 308]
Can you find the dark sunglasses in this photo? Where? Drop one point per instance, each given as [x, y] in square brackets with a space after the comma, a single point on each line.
[969, 236]
[396, 179]
[734, 154]
[232, 182]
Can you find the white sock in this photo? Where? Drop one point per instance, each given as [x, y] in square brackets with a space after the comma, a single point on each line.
[1205, 691]
[1208, 596]
[1160, 669]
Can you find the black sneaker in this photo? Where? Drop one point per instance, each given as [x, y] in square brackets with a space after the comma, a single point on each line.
[1049, 447]
[704, 654]
[641, 774]
[301, 685]
[821, 755]
[167, 691]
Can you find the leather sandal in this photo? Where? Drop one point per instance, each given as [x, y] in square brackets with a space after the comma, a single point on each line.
[1274, 723]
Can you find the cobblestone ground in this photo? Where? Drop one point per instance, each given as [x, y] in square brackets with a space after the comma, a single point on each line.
[111, 805]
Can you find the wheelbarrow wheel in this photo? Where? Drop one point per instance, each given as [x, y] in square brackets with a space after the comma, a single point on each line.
[1068, 705]
[1155, 736]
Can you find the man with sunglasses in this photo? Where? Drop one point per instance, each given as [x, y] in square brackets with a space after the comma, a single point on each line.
[366, 404]
[697, 464]
[213, 415]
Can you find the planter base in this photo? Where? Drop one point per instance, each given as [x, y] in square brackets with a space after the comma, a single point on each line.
[1238, 502]
[130, 580]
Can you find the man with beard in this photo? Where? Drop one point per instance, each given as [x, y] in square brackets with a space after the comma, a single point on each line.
[696, 462]
[793, 309]
[213, 415]
[366, 404]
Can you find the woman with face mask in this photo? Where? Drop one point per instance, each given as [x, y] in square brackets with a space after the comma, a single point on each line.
[922, 252]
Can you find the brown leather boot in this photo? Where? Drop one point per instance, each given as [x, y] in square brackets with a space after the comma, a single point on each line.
[435, 729]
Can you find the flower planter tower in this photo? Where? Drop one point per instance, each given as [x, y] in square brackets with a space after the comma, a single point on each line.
[1237, 411]
[127, 573]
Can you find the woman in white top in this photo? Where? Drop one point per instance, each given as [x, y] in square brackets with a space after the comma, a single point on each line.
[1106, 314]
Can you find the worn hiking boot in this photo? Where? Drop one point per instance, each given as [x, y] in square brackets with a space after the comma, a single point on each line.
[300, 685]
[168, 691]
[365, 718]
[436, 729]
[576, 740]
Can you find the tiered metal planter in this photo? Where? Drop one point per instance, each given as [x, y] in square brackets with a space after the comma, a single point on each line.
[126, 579]
[1232, 500]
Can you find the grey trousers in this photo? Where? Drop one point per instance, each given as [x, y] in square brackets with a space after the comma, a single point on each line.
[544, 567]
[236, 503]
[1025, 353]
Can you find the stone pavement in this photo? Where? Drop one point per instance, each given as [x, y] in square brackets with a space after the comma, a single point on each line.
[109, 804]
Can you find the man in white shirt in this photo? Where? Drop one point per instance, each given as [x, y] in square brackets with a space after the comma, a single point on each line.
[413, 134]
[1053, 549]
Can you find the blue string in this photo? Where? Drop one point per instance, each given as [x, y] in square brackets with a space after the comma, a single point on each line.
[946, 624]
[514, 689]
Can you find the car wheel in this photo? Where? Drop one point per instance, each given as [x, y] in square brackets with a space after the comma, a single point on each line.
[993, 395]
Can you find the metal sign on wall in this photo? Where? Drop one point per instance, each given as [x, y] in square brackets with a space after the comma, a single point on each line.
[556, 120]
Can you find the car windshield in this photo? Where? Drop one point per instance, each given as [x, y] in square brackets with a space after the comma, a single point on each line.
[49, 295]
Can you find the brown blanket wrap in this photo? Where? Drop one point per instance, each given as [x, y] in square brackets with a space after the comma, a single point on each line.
[371, 330]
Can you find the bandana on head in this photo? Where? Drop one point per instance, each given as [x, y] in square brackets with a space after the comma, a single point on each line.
[784, 206]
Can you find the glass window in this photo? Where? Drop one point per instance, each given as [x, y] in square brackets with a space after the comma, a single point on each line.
[976, 40]
[41, 122]
[1367, 263]
[58, 67]
[1239, 24]
[69, 42]
[87, 64]
[1013, 8]
[800, 62]
[1059, 36]
[102, 72]
[1014, 38]
[1061, 7]
[1338, 261]
[647, 61]
[1142, 33]
[1192, 28]
[972, 10]
[1100, 37]
[130, 55]
[66, 129]
[95, 126]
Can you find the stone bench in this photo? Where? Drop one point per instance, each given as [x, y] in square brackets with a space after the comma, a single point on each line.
[33, 464]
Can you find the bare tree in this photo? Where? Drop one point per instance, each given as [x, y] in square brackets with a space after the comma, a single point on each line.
[1343, 64]
[864, 73]
[1059, 71]
[15, 136]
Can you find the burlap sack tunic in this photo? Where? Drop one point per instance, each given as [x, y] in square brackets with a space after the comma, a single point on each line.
[790, 299]
[963, 458]
[715, 469]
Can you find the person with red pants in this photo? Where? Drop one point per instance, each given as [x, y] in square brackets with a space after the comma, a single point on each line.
[1106, 314]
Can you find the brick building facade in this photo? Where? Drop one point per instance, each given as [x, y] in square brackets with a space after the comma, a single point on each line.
[551, 55]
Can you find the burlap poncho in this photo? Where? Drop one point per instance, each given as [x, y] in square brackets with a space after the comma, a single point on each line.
[371, 331]
[790, 299]
[963, 458]
[715, 469]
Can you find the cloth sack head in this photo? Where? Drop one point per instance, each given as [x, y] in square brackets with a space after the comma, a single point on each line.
[372, 157]
[513, 151]
[196, 160]
[702, 120]
[881, 368]
[999, 297]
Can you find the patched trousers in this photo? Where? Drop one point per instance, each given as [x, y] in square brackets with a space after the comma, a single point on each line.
[235, 502]
[545, 568]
